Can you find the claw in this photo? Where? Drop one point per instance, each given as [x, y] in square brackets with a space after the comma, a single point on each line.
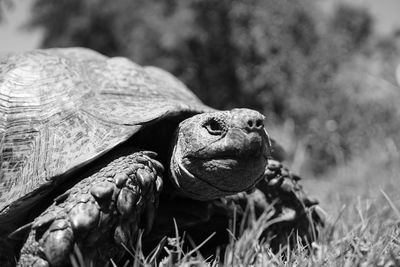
[276, 182]
[150, 154]
[145, 178]
[159, 184]
[102, 190]
[319, 215]
[141, 159]
[84, 216]
[158, 166]
[126, 202]
[120, 179]
[133, 168]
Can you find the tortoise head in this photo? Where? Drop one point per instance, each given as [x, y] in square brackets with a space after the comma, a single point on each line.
[219, 153]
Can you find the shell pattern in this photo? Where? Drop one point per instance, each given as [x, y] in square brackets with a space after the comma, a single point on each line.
[62, 108]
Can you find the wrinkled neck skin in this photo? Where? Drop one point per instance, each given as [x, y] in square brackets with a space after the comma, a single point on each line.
[219, 154]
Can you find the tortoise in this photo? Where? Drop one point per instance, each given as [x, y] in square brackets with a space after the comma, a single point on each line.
[89, 144]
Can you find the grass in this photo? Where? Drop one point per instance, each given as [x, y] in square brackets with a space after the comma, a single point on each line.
[363, 200]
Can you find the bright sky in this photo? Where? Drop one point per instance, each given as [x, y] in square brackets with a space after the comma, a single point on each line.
[14, 38]
[386, 13]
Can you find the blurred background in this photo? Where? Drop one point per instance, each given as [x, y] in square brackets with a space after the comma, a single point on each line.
[324, 72]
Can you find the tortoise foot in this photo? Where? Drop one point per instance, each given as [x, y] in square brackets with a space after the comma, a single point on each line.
[97, 215]
[295, 211]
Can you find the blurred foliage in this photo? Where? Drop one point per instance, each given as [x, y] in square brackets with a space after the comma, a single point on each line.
[275, 56]
[4, 6]
[352, 23]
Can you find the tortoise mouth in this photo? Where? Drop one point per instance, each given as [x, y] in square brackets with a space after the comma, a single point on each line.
[222, 156]
[237, 153]
[219, 192]
[226, 174]
[230, 192]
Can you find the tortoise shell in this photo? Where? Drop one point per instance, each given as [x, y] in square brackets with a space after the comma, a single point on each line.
[62, 108]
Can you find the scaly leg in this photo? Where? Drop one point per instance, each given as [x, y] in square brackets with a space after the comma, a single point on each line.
[299, 215]
[97, 214]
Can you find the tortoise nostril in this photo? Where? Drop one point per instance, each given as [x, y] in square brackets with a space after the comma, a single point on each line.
[255, 124]
[259, 124]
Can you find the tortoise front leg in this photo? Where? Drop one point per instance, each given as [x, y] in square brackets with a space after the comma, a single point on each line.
[299, 214]
[97, 214]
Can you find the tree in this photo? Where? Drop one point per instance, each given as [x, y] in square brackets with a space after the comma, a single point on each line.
[352, 23]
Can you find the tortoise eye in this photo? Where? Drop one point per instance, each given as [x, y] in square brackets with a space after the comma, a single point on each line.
[214, 127]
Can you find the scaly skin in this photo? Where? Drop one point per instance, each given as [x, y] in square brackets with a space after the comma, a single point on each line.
[97, 214]
[299, 214]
